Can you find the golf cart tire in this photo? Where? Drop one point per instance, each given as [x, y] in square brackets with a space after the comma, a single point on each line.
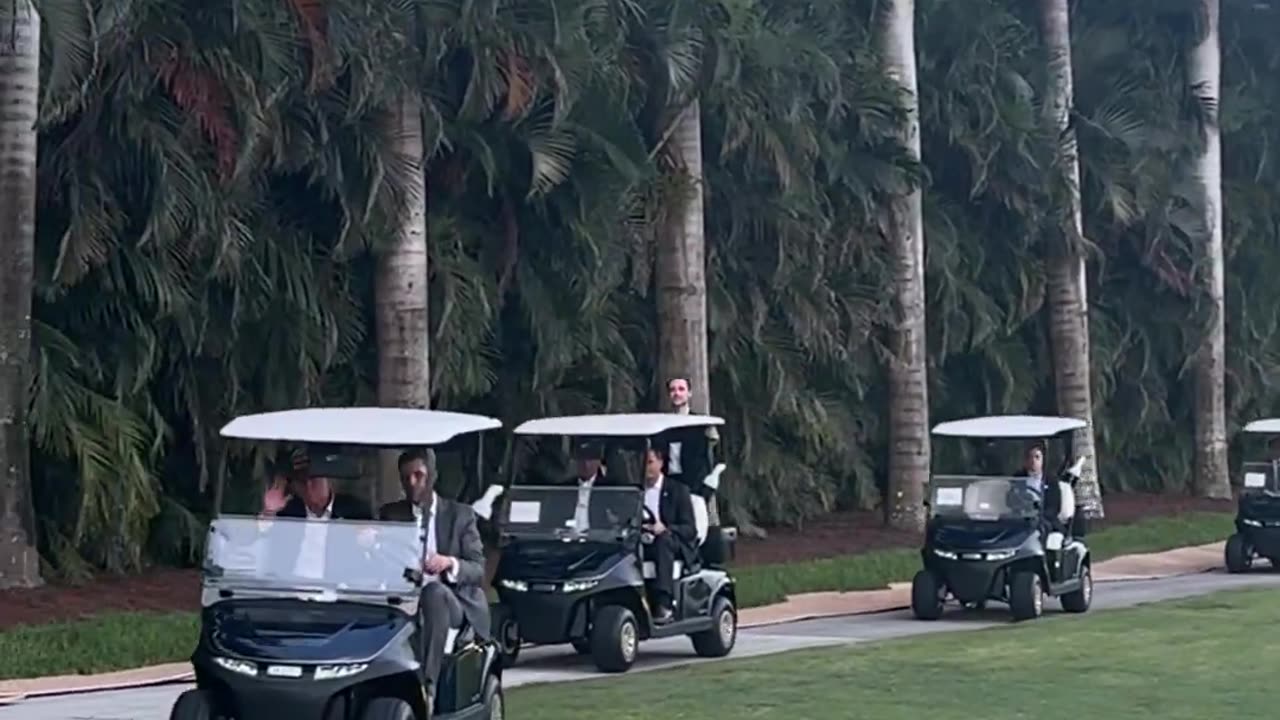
[582, 646]
[926, 596]
[612, 630]
[387, 708]
[506, 633]
[1079, 601]
[1026, 595]
[713, 643]
[194, 704]
[495, 703]
[1237, 554]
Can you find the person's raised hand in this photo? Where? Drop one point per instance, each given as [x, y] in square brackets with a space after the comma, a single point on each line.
[276, 496]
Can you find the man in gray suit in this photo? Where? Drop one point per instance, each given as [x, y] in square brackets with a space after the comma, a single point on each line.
[453, 565]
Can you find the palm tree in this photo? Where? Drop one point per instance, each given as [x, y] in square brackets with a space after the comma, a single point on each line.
[1204, 76]
[1067, 291]
[19, 95]
[400, 288]
[903, 226]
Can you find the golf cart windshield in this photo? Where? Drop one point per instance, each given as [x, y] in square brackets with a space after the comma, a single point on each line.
[988, 499]
[556, 512]
[337, 556]
[1261, 478]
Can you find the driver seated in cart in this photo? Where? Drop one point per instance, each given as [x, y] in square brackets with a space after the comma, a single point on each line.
[671, 531]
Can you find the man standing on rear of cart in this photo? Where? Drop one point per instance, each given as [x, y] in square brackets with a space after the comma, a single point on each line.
[453, 564]
[689, 452]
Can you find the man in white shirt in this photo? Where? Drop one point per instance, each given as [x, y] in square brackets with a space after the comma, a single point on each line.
[316, 501]
[452, 566]
[590, 475]
[673, 529]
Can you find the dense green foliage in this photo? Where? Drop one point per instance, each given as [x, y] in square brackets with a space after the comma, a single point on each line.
[214, 177]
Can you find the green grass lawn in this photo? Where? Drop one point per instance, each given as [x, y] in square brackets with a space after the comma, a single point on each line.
[126, 640]
[1214, 656]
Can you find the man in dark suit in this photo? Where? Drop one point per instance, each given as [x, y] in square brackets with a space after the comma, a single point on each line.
[453, 565]
[312, 479]
[673, 529]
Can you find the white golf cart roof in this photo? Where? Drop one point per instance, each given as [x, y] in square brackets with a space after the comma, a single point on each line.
[1269, 426]
[1008, 426]
[618, 425]
[384, 427]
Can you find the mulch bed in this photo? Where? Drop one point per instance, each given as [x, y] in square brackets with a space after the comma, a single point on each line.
[843, 533]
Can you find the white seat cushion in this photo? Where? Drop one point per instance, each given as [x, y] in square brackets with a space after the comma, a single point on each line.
[650, 570]
[700, 520]
[450, 638]
[1054, 541]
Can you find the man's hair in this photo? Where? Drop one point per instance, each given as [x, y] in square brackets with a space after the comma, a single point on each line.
[679, 377]
[1034, 445]
[659, 451]
[426, 455]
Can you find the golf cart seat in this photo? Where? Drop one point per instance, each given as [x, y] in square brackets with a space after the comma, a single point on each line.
[650, 570]
[701, 520]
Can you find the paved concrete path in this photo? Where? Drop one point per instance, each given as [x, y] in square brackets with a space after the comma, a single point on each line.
[539, 665]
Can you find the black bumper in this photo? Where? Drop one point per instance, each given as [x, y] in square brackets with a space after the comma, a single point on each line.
[970, 581]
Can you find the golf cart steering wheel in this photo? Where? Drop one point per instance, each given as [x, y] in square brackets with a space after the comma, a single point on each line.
[649, 517]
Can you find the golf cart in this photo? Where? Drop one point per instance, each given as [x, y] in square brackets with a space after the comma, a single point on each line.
[564, 580]
[987, 537]
[1258, 508]
[319, 618]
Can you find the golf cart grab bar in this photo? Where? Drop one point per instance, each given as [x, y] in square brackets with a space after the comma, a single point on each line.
[483, 507]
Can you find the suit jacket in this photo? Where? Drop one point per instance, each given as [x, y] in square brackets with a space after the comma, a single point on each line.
[458, 536]
[345, 507]
[675, 510]
[696, 455]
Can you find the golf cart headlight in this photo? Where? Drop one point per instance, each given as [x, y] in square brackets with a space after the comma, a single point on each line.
[237, 666]
[945, 554]
[574, 586]
[1253, 523]
[1000, 555]
[330, 672]
[517, 585]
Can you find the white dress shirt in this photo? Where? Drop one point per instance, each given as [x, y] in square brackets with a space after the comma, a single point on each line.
[431, 541]
[582, 513]
[310, 563]
[653, 496]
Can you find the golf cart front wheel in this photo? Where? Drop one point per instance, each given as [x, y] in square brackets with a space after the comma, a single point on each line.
[1080, 600]
[194, 704]
[719, 640]
[494, 702]
[1026, 595]
[615, 639]
[506, 633]
[387, 708]
[926, 596]
[1238, 556]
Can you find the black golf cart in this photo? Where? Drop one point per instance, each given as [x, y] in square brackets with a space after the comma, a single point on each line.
[987, 538]
[562, 578]
[317, 619]
[1258, 507]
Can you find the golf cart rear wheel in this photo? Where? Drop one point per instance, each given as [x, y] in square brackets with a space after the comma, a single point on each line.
[1238, 556]
[506, 633]
[719, 640]
[194, 704]
[387, 708]
[1026, 595]
[494, 702]
[926, 596]
[1080, 600]
[615, 639]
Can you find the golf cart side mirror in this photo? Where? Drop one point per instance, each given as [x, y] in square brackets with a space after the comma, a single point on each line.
[484, 506]
[713, 480]
[1076, 469]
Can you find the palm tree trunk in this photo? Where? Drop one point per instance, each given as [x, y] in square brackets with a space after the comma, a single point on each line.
[1205, 77]
[404, 378]
[19, 95]
[681, 271]
[681, 277]
[1067, 293]
[904, 228]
